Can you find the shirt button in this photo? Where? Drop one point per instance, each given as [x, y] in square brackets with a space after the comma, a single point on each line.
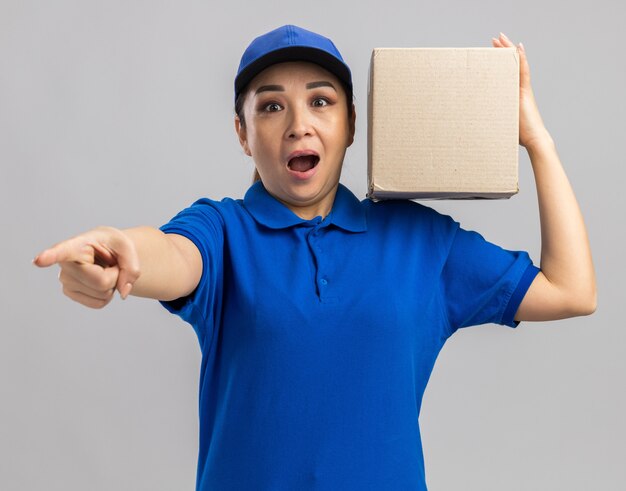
[324, 281]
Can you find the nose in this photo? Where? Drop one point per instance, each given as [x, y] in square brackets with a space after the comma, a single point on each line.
[299, 123]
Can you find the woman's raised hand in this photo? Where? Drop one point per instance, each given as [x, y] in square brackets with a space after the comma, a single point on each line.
[566, 285]
[531, 125]
[93, 265]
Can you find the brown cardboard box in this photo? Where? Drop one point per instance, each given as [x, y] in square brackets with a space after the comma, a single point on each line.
[443, 123]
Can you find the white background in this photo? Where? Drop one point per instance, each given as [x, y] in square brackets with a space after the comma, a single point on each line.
[120, 113]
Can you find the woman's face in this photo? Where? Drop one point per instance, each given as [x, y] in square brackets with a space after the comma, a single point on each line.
[297, 131]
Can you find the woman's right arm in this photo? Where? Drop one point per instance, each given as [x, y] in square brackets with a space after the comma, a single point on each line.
[143, 261]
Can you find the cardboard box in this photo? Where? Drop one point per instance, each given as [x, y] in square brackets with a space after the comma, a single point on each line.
[443, 123]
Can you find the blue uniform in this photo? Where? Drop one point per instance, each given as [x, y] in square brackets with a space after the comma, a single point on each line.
[318, 337]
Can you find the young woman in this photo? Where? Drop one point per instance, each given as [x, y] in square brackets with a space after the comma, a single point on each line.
[320, 316]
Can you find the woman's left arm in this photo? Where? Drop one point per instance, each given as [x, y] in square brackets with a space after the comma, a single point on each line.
[566, 285]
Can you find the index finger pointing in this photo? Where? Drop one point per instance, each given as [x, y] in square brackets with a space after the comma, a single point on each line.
[75, 249]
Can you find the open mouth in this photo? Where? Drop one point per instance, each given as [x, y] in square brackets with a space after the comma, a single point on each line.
[303, 163]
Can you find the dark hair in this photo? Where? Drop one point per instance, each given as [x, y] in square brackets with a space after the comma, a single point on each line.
[241, 97]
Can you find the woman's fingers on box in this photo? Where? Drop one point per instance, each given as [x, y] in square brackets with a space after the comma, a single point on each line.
[505, 40]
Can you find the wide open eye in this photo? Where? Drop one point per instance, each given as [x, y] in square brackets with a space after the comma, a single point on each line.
[320, 102]
[272, 107]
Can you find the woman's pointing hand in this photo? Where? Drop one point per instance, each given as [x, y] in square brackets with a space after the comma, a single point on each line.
[93, 265]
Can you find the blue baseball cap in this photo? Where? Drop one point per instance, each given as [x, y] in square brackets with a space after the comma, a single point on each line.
[290, 43]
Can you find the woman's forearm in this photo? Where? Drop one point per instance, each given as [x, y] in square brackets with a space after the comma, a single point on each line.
[170, 268]
[141, 261]
[566, 285]
[566, 260]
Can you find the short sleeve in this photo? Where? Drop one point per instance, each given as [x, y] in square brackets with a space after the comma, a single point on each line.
[482, 282]
[203, 225]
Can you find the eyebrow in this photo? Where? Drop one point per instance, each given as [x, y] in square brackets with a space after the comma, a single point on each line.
[280, 88]
[321, 83]
[270, 88]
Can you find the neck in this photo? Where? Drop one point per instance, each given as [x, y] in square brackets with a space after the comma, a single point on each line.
[318, 209]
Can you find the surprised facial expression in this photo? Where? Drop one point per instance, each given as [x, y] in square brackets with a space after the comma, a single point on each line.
[297, 131]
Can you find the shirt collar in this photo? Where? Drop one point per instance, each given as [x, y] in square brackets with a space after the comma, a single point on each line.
[347, 212]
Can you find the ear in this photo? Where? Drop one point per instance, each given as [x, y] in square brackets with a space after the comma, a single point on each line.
[243, 136]
[351, 127]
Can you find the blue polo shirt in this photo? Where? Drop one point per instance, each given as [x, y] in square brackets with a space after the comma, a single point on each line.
[318, 336]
